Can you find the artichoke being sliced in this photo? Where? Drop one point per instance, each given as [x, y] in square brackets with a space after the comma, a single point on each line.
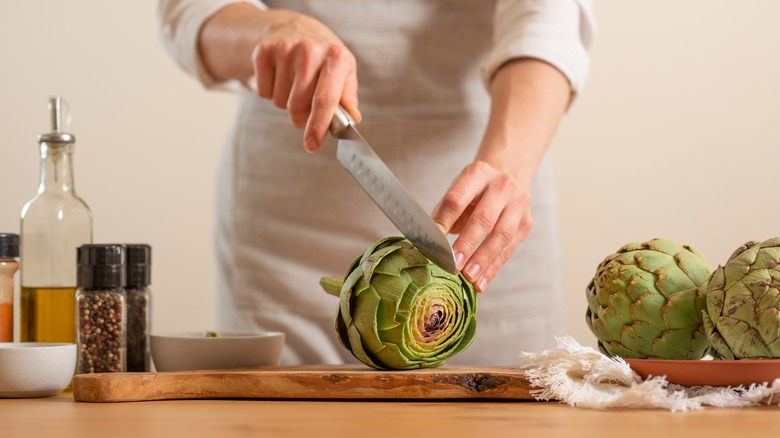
[645, 301]
[399, 310]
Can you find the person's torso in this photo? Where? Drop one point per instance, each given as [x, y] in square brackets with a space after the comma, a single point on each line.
[287, 217]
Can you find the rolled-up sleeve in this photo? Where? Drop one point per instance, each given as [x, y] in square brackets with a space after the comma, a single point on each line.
[555, 31]
[179, 23]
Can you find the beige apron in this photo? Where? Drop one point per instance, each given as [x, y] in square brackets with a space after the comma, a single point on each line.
[286, 217]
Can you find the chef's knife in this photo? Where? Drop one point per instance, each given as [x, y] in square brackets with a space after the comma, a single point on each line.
[388, 193]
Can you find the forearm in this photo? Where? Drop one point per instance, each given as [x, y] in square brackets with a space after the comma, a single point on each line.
[228, 37]
[529, 97]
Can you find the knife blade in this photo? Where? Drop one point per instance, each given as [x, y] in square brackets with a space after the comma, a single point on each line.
[384, 188]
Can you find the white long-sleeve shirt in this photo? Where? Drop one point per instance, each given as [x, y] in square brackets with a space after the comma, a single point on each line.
[555, 31]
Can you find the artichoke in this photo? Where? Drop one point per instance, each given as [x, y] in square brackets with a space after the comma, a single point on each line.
[399, 310]
[743, 303]
[645, 301]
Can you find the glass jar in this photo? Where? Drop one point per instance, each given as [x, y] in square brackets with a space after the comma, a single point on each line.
[138, 293]
[9, 251]
[101, 309]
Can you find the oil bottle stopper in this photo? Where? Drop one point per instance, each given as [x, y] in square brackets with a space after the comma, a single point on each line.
[58, 107]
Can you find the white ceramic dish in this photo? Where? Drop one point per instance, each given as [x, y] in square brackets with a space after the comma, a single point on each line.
[194, 351]
[35, 369]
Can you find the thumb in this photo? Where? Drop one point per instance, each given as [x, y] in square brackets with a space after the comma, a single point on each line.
[440, 218]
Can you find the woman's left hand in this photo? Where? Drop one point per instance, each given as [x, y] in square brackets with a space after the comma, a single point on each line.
[491, 212]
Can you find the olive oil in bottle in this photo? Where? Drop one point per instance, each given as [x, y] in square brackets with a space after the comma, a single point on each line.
[54, 223]
[47, 314]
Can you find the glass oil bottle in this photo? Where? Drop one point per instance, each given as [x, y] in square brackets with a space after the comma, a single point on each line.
[53, 224]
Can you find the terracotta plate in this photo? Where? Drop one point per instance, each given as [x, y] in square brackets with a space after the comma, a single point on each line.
[709, 372]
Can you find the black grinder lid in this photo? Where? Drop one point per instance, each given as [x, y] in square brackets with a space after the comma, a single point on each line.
[100, 266]
[9, 245]
[139, 265]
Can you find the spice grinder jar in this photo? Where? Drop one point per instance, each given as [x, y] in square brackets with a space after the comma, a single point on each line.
[101, 308]
[138, 296]
[9, 251]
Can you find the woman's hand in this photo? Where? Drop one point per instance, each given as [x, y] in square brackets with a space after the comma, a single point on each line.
[295, 60]
[491, 212]
[303, 67]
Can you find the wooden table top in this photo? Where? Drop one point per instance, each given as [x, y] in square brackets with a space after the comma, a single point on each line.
[62, 417]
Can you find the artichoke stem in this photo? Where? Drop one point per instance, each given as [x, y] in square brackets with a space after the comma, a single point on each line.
[332, 285]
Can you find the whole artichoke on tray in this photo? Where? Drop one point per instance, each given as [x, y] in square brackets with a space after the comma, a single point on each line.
[645, 301]
[399, 310]
[743, 303]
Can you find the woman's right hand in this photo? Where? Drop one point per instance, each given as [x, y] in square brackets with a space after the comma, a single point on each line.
[303, 67]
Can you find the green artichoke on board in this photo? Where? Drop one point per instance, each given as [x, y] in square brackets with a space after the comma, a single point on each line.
[399, 310]
[743, 303]
[645, 301]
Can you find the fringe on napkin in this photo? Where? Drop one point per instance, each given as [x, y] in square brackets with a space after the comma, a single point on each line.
[584, 377]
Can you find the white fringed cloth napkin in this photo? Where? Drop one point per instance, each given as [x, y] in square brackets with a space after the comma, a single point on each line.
[583, 377]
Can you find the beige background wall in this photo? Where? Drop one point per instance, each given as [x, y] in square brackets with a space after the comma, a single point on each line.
[676, 136]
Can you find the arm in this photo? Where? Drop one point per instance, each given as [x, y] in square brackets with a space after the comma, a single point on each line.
[538, 62]
[529, 98]
[489, 200]
[296, 61]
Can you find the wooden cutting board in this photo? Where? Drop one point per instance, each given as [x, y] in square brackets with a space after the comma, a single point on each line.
[306, 382]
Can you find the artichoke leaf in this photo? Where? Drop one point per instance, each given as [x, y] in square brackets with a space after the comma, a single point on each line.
[682, 309]
[672, 279]
[649, 309]
[667, 345]
[718, 344]
[767, 327]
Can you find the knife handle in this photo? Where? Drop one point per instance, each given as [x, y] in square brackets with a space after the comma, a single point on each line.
[341, 122]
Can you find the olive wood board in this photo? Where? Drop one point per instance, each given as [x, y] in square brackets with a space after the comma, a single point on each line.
[306, 382]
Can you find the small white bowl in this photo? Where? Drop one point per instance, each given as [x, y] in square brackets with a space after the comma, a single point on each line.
[35, 369]
[195, 351]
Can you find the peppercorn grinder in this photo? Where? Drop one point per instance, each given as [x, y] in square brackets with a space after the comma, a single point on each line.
[101, 324]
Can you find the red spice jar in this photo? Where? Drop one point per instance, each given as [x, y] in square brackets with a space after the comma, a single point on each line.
[9, 251]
